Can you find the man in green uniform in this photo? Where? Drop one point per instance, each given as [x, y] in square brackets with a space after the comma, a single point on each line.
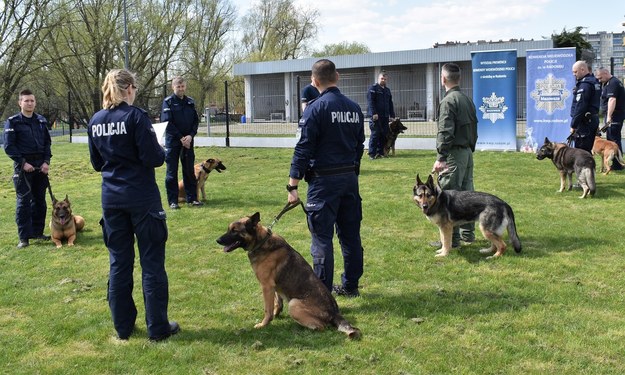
[455, 143]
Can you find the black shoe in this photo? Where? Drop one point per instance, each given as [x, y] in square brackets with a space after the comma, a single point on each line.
[173, 329]
[439, 244]
[41, 237]
[174, 206]
[125, 336]
[340, 290]
[22, 244]
[195, 204]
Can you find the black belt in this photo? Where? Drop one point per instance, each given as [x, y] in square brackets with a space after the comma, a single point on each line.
[332, 171]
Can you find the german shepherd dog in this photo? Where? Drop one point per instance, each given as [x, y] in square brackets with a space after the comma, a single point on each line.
[448, 208]
[284, 274]
[201, 171]
[395, 128]
[63, 223]
[609, 151]
[568, 160]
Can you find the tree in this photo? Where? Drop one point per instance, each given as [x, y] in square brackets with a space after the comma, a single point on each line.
[277, 30]
[583, 49]
[342, 48]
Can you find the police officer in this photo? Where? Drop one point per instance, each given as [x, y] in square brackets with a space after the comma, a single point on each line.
[380, 111]
[612, 107]
[585, 107]
[328, 156]
[27, 142]
[182, 123]
[455, 144]
[124, 148]
[309, 92]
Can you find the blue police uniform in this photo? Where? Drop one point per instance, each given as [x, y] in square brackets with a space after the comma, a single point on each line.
[124, 148]
[28, 140]
[613, 88]
[586, 98]
[379, 102]
[309, 92]
[182, 120]
[328, 157]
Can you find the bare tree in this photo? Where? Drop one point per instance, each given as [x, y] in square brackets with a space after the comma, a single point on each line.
[277, 30]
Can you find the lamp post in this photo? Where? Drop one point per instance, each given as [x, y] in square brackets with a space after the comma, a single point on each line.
[126, 41]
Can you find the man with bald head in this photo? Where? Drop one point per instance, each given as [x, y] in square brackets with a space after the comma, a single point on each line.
[612, 106]
[585, 107]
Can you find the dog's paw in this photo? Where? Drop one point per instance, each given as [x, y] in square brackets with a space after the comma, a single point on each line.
[486, 250]
[260, 325]
[440, 253]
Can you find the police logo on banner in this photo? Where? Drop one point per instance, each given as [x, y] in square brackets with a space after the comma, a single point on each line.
[493, 108]
[550, 94]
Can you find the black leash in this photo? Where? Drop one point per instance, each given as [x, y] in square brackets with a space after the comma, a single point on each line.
[22, 174]
[287, 208]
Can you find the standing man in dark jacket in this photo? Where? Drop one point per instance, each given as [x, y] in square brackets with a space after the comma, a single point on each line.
[182, 123]
[585, 107]
[613, 107]
[27, 142]
[380, 111]
[455, 143]
[328, 156]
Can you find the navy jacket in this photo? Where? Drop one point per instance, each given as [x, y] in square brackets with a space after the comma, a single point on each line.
[332, 134]
[27, 138]
[181, 116]
[586, 98]
[380, 102]
[123, 146]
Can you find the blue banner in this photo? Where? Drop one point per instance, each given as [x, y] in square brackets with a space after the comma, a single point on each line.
[549, 95]
[494, 95]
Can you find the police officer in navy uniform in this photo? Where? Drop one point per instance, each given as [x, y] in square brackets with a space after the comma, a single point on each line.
[612, 107]
[380, 111]
[309, 92]
[585, 107]
[124, 148]
[182, 123]
[27, 142]
[328, 157]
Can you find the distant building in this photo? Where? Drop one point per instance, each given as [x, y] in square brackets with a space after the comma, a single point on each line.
[272, 89]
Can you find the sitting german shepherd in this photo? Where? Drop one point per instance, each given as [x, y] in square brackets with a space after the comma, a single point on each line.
[201, 171]
[284, 274]
[449, 208]
[568, 160]
[63, 223]
[395, 128]
[609, 152]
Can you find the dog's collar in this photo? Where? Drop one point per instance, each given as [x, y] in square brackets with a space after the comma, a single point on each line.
[262, 242]
[206, 169]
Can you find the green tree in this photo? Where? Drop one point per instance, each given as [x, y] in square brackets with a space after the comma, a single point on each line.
[277, 30]
[575, 38]
[342, 48]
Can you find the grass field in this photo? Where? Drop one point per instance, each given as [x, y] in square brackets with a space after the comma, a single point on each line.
[556, 308]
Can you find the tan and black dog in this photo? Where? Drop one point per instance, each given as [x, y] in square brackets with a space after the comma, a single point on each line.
[448, 208]
[284, 274]
[64, 224]
[395, 128]
[609, 152]
[568, 160]
[201, 172]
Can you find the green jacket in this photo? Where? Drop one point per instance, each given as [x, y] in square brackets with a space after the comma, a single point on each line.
[457, 123]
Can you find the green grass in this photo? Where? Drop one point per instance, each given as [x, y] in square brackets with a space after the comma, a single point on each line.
[557, 308]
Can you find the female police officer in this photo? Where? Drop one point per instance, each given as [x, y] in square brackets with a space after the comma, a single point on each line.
[123, 146]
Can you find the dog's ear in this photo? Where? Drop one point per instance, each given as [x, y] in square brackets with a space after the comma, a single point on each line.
[547, 140]
[255, 219]
[430, 181]
[419, 182]
[210, 160]
[66, 198]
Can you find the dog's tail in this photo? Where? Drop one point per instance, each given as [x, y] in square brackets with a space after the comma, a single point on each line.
[619, 157]
[343, 326]
[514, 238]
[587, 175]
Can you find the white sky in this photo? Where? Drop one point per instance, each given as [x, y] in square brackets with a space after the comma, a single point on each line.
[397, 25]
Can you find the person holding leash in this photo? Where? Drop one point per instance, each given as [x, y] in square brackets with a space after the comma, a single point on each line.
[585, 106]
[381, 112]
[124, 148]
[455, 143]
[179, 112]
[612, 107]
[328, 157]
[27, 142]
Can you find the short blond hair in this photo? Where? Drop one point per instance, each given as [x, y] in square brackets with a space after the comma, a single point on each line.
[114, 87]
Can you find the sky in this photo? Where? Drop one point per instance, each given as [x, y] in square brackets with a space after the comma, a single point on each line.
[398, 25]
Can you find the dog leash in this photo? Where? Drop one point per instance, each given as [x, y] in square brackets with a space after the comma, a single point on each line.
[287, 208]
[30, 189]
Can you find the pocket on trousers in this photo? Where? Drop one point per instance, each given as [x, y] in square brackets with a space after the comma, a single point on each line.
[315, 214]
[157, 225]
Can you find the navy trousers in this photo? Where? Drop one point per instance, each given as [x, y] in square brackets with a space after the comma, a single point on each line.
[187, 160]
[379, 132]
[119, 228]
[334, 201]
[30, 207]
